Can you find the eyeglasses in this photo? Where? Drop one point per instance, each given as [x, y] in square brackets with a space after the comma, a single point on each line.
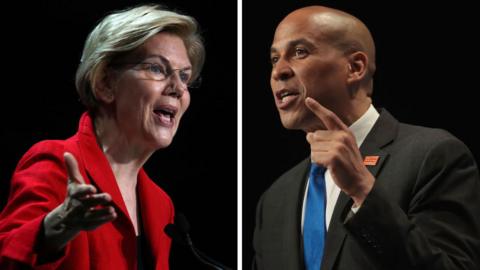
[161, 70]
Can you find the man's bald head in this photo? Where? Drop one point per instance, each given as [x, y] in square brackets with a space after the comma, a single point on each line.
[337, 28]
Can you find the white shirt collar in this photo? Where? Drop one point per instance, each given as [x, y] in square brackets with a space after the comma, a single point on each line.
[364, 124]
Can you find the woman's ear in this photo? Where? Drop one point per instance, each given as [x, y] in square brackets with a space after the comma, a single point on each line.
[357, 67]
[103, 87]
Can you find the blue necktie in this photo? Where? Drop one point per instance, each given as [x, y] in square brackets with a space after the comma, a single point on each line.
[314, 229]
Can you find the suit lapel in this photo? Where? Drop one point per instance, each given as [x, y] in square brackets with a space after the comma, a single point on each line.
[97, 166]
[383, 132]
[299, 190]
[150, 208]
[336, 233]
[382, 156]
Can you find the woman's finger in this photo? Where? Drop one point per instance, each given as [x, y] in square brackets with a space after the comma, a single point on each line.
[96, 199]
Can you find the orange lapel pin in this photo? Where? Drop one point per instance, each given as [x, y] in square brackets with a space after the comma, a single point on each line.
[371, 160]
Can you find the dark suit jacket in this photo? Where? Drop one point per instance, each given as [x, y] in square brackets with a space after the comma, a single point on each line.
[422, 213]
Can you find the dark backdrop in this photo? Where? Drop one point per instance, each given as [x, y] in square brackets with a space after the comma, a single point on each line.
[43, 47]
[426, 75]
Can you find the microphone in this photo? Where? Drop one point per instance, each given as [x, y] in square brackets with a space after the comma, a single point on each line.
[179, 232]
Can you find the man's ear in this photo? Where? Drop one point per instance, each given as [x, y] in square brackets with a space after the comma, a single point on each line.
[103, 87]
[357, 66]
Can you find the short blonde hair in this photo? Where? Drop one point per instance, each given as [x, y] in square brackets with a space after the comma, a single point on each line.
[126, 30]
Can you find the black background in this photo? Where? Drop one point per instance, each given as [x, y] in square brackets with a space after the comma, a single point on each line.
[41, 47]
[426, 75]
[427, 60]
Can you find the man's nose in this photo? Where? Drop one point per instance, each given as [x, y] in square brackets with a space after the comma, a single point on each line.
[282, 70]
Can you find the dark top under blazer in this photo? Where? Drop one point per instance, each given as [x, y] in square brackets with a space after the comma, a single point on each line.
[422, 213]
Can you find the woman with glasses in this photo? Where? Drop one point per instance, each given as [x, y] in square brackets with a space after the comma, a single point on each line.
[86, 202]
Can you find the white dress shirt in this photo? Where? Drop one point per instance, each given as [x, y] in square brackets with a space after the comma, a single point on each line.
[360, 129]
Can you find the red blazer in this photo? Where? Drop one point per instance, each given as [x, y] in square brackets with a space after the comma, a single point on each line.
[39, 185]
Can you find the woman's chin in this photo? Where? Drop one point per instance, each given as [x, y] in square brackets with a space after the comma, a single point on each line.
[160, 137]
[163, 140]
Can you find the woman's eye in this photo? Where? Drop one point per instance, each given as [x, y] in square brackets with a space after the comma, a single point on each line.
[156, 68]
[184, 77]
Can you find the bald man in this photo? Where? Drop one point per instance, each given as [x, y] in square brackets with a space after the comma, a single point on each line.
[397, 196]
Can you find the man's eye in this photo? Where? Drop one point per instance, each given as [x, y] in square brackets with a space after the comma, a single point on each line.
[274, 59]
[301, 52]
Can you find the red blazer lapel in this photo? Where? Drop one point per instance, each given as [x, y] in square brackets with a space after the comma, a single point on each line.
[157, 211]
[151, 224]
[156, 208]
[96, 165]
